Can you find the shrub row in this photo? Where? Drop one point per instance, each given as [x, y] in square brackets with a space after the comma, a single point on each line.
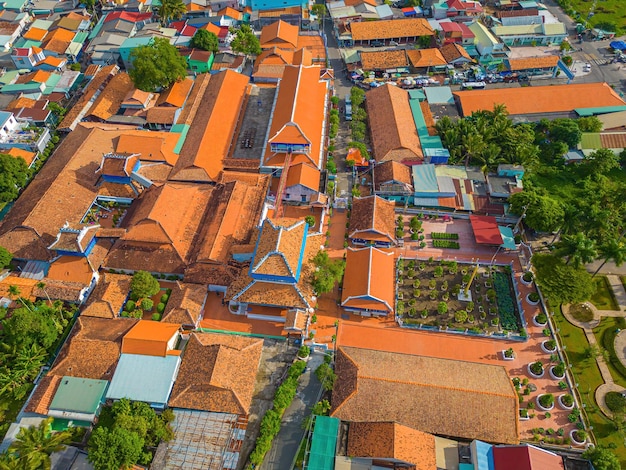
[444, 236]
[446, 244]
[270, 424]
[608, 341]
[506, 306]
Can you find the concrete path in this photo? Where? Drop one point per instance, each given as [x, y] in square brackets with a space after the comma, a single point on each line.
[285, 446]
[618, 290]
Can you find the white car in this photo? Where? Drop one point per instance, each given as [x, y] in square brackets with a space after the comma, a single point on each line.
[587, 67]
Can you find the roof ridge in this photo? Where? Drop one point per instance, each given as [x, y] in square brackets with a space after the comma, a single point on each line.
[445, 387]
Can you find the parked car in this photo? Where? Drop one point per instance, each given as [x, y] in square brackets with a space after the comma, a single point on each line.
[377, 44]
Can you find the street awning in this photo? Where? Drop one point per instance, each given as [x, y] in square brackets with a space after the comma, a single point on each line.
[486, 231]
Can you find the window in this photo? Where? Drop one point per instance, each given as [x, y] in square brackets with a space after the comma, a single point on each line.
[287, 195]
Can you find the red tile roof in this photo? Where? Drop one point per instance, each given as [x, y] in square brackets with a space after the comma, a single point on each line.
[526, 457]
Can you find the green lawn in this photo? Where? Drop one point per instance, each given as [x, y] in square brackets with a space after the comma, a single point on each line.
[604, 298]
[587, 375]
[605, 334]
[623, 278]
[611, 11]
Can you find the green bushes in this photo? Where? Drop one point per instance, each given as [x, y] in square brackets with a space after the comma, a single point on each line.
[608, 341]
[160, 307]
[444, 236]
[270, 424]
[147, 304]
[156, 317]
[504, 301]
[446, 244]
[616, 402]
[326, 375]
[130, 306]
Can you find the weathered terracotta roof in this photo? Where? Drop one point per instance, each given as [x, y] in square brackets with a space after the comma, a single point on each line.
[382, 60]
[108, 297]
[372, 218]
[390, 29]
[369, 280]
[185, 304]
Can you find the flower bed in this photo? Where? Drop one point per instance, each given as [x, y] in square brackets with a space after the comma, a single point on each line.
[444, 236]
[509, 319]
[446, 244]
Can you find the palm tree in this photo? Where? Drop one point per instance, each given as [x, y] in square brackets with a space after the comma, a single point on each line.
[612, 250]
[577, 248]
[489, 158]
[14, 292]
[171, 10]
[473, 144]
[36, 443]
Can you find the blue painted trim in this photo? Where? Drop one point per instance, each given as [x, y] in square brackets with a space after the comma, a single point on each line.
[302, 247]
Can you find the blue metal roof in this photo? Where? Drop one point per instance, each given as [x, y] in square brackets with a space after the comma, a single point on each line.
[144, 378]
[425, 179]
[483, 455]
[439, 95]
[507, 237]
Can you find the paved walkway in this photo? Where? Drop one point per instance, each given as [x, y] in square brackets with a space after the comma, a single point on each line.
[285, 446]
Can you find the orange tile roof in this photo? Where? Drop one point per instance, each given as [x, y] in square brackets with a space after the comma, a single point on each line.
[392, 441]
[25, 285]
[59, 40]
[43, 395]
[373, 218]
[421, 58]
[454, 51]
[392, 128]
[149, 338]
[176, 94]
[455, 398]
[390, 29]
[540, 99]
[35, 34]
[212, 28]
[392, 171]
[72, 269]
[28, 157]
[533, 62]
[313, 44]
[217, 373]
[304, 174]
[300, 106]
[21, 102]
[210, 136]
[151, 146]
[362, 288]
[110, 99]
[185, 304]
[107, 299]
[38, 76]
[278, 249]
[231, 12]
[53, 61]
[279, 33]
[381, 60]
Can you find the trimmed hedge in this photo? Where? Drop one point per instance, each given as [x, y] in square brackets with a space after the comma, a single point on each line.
[270, 424]
[504, 301]
[444, 236]
[446, 244]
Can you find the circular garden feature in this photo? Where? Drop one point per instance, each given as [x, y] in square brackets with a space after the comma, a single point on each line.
[581, 312]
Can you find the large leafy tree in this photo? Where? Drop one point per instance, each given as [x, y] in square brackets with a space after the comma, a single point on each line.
[327, 273]
[144, 284]
[34, 445]
[13, 176]
[542, 212]
[112, 449]
[156, 65]
[600, 162]
[171, 10]
[602, 458]
[565, 130]
[577, 248]
[613, 250]
[26, 327]
[205, 40]
[560, 282]
[5, 257]
[245, 41]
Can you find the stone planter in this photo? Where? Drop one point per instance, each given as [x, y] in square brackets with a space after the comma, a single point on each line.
[542, 408]
[554, 376]
[572, 435]
[504, 356]
[562, 405]
[526, 283]
[530, 301]
[533, 375]
[523, 418]
[545, 348]
[537, 323]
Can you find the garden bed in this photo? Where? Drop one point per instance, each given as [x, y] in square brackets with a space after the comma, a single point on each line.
[427, 298]
[446, 244]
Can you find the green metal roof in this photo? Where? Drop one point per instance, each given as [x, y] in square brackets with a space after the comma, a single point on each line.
[508, 239]
[96, 30]
[417, 95]
[79, 395]
[42, 24]
[81, 37]
[51, 83]
[323, 444]
[602, 110]
[13, 4]
[182, 129]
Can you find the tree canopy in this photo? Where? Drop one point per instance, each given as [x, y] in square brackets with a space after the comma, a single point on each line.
[13, 176]
[125, 433]
[542, 212]
[34, 445]
[144, 284]
[5, 257]
[560, 282]
[156, 65]
[602, 458]
[245, 41]
[600, 162]
[327, 273]
[171, 10]
[205, 40]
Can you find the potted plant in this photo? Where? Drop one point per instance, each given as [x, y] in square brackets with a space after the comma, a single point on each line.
[536, 369]
[549, 346]
[579, 436]
[303, 352]
[508, 354]
[523, 414]
[545, 401]
[532, 298]
[527, 278]
[558, 371]
[566, 401]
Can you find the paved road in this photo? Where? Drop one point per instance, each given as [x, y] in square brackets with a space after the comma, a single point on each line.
[285, 447]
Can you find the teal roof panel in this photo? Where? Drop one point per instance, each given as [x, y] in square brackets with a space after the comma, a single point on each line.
[79, 395]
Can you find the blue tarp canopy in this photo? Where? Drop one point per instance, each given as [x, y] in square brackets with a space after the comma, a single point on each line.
[507, 238]
[619, 45]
